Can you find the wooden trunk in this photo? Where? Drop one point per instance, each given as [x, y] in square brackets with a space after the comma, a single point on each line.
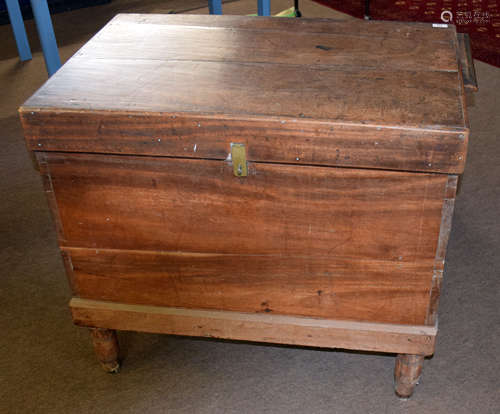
[278, 180]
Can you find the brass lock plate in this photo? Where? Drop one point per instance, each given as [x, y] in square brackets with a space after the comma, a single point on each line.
[239, 159]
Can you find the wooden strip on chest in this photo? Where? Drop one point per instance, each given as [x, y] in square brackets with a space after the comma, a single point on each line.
[256, 327]
[416, 99]
[382, 51]
[272, 140]
[331, 288]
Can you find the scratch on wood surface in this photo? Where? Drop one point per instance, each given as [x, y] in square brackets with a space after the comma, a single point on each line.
[322, 47]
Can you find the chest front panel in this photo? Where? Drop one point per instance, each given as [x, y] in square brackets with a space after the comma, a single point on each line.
[302, 240]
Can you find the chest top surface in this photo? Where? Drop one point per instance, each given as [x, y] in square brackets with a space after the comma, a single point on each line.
[304, 72]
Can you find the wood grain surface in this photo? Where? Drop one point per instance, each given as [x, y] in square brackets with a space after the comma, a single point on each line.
[256, 327]
[188, 205]
[399, 30]
[268, 76]
[292, 142]
[425, 99]
[331, 288]
[314, 241]
[307, 45]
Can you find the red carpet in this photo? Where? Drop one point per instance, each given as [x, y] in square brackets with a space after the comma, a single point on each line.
[479, 18]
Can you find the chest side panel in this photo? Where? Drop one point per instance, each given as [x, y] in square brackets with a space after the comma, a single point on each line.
[300, 240]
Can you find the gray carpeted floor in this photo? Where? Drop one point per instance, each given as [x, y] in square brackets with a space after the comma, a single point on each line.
[47, 365]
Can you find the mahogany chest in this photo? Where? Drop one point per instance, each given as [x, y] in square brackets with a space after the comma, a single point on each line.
[264, 179]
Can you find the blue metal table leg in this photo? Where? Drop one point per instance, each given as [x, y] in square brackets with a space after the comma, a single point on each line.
[264, 7]
[46, 35]
[17, 23]
[215, 6]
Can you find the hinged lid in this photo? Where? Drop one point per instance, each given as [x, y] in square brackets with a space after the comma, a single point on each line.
[307, 91]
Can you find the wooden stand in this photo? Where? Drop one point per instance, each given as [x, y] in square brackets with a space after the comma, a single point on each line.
[414, 342]
[106, 348]
[262, 328]
[407, 373]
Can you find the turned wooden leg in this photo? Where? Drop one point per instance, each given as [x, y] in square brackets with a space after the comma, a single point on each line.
[106, 348]
[407, 373]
